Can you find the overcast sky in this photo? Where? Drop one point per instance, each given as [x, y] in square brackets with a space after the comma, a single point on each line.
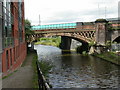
[66, 11]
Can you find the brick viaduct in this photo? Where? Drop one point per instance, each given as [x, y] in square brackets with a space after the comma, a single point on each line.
[98, 32]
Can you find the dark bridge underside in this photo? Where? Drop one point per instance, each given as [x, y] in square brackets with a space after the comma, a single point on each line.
[80, 40]
[117, 40]
[66, 43]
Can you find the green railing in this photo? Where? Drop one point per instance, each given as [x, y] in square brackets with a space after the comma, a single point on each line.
[55, 26]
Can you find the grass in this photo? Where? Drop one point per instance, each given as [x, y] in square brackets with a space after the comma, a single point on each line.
[84, 53]
[9, 74]
[110, 56]
[35, 77]
[45, 67]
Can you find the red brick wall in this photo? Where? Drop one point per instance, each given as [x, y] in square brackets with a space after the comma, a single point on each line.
[16, 62]
[17, 52]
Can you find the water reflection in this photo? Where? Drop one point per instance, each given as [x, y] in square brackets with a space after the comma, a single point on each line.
[74, 70]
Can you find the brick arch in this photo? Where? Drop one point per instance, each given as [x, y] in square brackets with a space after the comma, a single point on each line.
[114, 35]
[78, 39]
[85, 42]
[117, 39]
[76, 36]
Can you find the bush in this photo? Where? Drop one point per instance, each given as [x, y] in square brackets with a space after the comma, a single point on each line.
[84, 53]
[50, 41]
[101, 20]
[45, 67]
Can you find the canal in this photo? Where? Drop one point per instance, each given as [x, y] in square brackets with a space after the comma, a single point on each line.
[72, 70]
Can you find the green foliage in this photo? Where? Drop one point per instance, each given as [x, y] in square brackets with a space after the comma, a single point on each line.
[9, 75]
[110, 27]
[101, 20]
[114, 42]
[110, 56]
[84, 53]
[28, 30]
[54, 41]
[35, 77]
[45, 67]
[108, 43]
[27, 24]
[92, 43]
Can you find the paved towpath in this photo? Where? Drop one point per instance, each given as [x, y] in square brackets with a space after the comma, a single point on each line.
[22, 78]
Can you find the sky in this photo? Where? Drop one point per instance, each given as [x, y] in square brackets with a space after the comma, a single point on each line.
[67, 11]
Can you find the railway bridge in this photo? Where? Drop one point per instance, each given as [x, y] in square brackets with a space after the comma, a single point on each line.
[98, 32]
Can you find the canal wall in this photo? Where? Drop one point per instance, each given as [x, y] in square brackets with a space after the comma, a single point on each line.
[109, 56]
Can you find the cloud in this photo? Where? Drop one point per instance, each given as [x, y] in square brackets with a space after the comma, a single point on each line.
[59, 11]
[73, 16]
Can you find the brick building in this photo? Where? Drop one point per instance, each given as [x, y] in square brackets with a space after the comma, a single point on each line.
[12, 35]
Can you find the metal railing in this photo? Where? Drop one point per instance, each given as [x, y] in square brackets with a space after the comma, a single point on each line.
[43, 85]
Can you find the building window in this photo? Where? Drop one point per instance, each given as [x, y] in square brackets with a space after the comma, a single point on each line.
[20, 21]
[0, 9]
[8, 21]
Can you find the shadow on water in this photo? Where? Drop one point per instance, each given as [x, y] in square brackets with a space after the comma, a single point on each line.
[65, 52]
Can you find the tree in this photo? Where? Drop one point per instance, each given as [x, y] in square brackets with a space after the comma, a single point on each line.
[28, 31]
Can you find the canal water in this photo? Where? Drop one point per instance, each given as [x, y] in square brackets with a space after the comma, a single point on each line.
[72, 70]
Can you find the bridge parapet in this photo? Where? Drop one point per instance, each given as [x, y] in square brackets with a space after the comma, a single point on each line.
[85, 25]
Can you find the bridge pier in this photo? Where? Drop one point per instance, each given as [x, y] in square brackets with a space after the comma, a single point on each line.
[65, 43]
[102, 35]
[101, 32]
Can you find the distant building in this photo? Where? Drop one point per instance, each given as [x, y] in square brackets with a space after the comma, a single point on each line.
[113, 20]
[12, 35]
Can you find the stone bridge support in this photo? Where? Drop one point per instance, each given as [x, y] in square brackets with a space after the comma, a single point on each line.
[65, 43]
[102, 35]
[101, 32]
